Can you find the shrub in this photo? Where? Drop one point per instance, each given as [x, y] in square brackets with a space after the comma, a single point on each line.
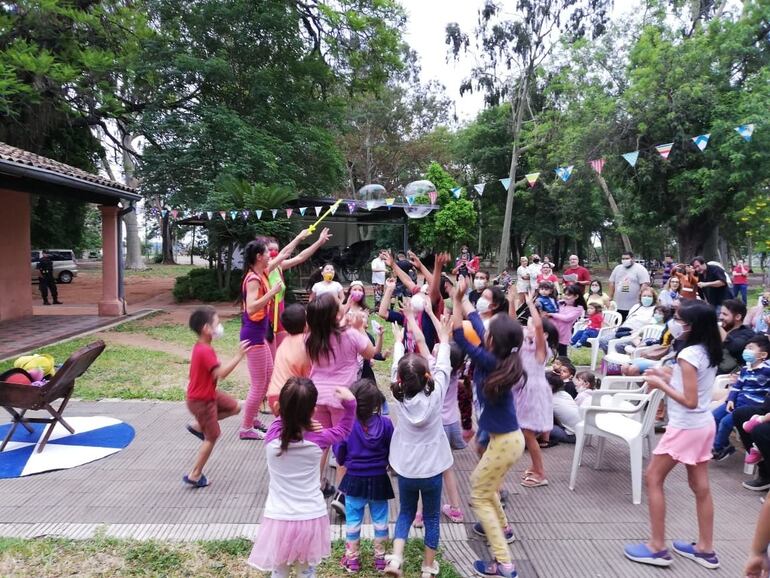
[201, 284]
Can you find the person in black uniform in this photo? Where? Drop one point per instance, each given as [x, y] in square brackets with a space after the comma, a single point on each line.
[47, 282]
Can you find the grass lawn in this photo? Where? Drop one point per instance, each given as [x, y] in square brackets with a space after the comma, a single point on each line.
[106, 557]
[159, 270]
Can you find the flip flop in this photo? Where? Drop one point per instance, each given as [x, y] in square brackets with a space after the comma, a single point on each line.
[526, 474]
[195, 432]
[533, 482]
[201, 482]
[548, 444]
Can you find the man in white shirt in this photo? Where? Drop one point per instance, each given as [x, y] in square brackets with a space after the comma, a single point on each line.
[534, 270]
[378, 278]
[626, 283]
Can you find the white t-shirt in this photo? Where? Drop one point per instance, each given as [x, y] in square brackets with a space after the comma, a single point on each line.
[378, 271]
[628, 283]
[566, 411]
[678, 415]
[322, 288]
[534, 271]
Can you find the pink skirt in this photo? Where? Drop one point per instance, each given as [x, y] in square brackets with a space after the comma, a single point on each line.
[687, 446]
[285, 542]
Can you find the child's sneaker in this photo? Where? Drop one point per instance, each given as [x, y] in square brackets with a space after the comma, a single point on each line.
[494, 568]
[641, 553]
[753, 422]
[259, 425]
[454, 514]
[352, 565]
[753, 457]
[380, 563]
[723, 454]
[251, 434]
[478, 529]
[705, 559]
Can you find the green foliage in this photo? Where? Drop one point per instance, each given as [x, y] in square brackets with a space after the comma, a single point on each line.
[203, 285]
[153, 558]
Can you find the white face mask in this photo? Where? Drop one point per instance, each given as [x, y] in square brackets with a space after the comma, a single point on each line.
[627, 262]
[218, 332]
[479, 284]
[675, 328]
[482, 305]
[418, 303]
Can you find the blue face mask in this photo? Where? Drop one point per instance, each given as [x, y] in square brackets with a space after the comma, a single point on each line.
[749, 356]
[646, 301]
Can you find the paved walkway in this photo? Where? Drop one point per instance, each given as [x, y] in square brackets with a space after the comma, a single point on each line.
[138, 493]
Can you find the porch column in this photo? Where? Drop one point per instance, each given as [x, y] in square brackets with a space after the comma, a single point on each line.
[15, 268]
[110, 305]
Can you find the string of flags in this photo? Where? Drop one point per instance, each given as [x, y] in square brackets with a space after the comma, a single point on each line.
[565, 172]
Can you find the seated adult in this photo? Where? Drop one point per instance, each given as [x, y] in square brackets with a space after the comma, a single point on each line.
[712, 281]
[660, 317]
[597, 296]
[575, 274]
[669, 296]
[758, 318]
[638, 316]
[735, 335]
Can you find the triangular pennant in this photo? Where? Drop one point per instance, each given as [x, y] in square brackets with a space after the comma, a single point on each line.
[433, 195]
[631, 158]
[233, 214]
[164, 212]
[664, 149]
[317, 210]
[302, 211]
[597, 165]
[259, 213]
[246, 214]
[456, 192]
[564, 172]
[209, 214]
[274, 211]
[479, 188]
[745, 130]
[223, 215]
[506, 183]
[532, 178]
[174, 213]
[289, 212]
[389, 201]
[333, 208]
[351, 206]
[410, 199]
[701, 141]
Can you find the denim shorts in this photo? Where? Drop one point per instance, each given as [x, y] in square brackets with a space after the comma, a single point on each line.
[482, 438]
[455, 436]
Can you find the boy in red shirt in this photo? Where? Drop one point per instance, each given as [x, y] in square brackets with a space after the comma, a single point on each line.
[206, 404]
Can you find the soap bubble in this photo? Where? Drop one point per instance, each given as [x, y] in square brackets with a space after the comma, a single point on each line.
[372, 192]
[419, 188]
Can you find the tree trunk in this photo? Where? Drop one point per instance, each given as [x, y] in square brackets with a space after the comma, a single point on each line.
[518, 115]
[614, 209]
[167, 247]
[693, 236]
[134, 259]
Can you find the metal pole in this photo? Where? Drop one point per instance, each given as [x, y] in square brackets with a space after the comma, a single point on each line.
[406, 233]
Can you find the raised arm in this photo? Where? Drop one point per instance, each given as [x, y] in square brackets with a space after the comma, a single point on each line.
[287, 250]
[541, 348]
[306, 253]
[400, 273]
[387, 296]
[417, 264]
[417, 334]
[435, 281]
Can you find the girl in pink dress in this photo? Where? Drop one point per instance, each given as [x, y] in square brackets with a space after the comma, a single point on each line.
[573, 308]
[295, 529]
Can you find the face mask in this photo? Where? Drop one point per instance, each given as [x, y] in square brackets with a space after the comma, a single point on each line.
[273, 253]
[749, 356]
[675, 328]
[482, 305]
[356, 296]
[658, 318]
[627, 262]
[218, 332]
[646, 301]
[594, 289]
[418, 303]
[328, 276]
[479, 284]
[536, 260]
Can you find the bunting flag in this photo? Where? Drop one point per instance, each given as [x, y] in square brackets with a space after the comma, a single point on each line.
[564, 172]
[631, 158]
[259, 213]
[302, 211]
[351, 207]
[174, 213]
[389, 201]
[164, 212]
[410, 199]
[701, 141]
[532, 178]
[289, 212]
[664, 149]
[317, 210]
[333, 208]
[597, 165]
[433, 195]
[209, 214]
[223, 215]
[479, 188]
[745, 130]
[275, 212]
[457, 191]
[233, 214]
[246, 214]
[506, 183]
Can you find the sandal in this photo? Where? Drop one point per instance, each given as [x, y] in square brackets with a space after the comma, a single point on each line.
[394, 566]
[533, 482]
[548, 444]
[429, 571]
[527, 473]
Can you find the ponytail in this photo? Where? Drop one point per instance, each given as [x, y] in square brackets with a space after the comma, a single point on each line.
[413, 377]
[506, 337]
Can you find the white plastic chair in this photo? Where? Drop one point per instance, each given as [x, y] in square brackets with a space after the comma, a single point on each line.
[720, 390]
[612, 321]
[611, 415]
[621, 382]
[648, 332]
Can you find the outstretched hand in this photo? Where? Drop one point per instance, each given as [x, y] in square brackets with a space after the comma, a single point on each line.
[325, 235]
[462, 288]
[398, 333]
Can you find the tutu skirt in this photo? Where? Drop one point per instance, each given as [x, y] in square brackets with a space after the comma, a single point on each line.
[285, 542]
[372, 488]
[687, 446]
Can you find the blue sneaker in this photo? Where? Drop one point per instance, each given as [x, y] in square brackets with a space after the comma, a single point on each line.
[641, 553]
[492, 568]
[705, 559]
[507, 531]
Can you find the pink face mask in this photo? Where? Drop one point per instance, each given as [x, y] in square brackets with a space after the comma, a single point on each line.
[356, 296]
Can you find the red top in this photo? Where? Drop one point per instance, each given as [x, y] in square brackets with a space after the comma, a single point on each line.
[552, 278]
[740, 275]
[203, 384]
[583, 276]
[595, 321]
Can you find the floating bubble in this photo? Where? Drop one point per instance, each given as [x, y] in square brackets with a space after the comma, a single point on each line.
[420, 188]
[372, 192]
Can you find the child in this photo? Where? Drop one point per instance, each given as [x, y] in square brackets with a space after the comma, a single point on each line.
[567, 372]
[291, 358]
[498, 369]
[688, 438]
[534, 409]
[585, 383]
[295, 529]
[751, 388]
[565, 412]
[365, 456]
[450, 419]
[545, 301]
[206, 404]
[595, 320]
[328, 285]
[419, 452]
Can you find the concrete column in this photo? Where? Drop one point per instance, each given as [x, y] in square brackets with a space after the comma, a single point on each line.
[15, 262]
[110, 305]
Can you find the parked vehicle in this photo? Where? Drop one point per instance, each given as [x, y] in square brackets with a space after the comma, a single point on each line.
[65, 267]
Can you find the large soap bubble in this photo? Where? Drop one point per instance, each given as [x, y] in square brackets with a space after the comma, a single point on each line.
[420, 188]
[372, 192]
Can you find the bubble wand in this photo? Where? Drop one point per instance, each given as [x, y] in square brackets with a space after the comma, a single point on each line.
[331, 209]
